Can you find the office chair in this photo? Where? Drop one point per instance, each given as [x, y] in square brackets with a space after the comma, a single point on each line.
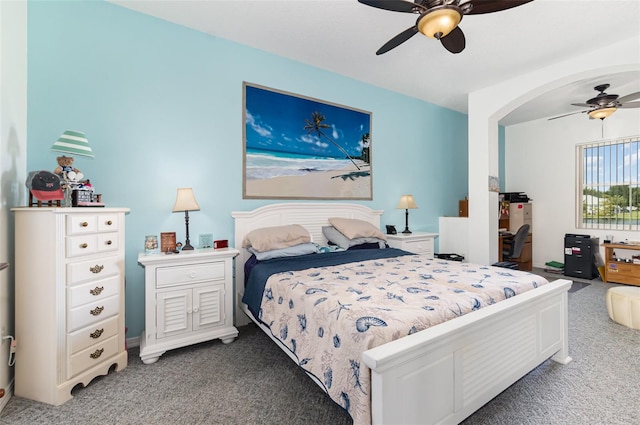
[514, 245]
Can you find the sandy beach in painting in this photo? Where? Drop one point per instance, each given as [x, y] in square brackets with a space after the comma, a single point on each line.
[347, 183]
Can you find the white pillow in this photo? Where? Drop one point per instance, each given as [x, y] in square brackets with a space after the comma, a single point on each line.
[277, 237]
[353, 228]
[290, 251]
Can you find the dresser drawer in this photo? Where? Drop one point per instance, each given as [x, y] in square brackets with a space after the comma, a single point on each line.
[82, 316]
[184, 275]
[108, 222]
[81, 224]
[81, 245]
[93, 292]
[107, 242]
[98, 332]
[98, 268]
[92, 356]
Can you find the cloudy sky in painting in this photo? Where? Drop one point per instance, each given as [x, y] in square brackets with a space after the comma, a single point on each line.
[275, 121]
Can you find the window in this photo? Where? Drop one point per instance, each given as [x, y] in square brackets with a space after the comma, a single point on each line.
[609, 184]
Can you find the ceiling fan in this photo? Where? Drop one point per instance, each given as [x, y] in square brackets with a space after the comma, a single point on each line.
[439, 19]
[603, 105]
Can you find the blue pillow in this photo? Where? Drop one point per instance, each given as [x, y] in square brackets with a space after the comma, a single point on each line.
[290, 251]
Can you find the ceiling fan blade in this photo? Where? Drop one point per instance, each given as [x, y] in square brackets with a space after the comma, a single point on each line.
[454, 41]
[394, 5]
[489, 6]
[631, 96]
[584, 105]
[630, 105]
[566, 115]
[398, 40]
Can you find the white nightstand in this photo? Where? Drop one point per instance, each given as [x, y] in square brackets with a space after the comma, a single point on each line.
[188, 299]
[418, 243]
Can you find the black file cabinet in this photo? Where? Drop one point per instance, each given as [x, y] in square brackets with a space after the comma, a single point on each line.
[579, 256]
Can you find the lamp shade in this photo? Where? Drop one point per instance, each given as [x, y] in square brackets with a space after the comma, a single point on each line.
[73, 143]
[601, 113]
[439, 22]
[407, 203]
[186, 200]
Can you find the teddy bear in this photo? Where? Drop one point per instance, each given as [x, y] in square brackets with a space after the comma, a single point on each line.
[66, 170]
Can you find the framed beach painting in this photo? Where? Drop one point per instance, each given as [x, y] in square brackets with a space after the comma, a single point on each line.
[296, 147]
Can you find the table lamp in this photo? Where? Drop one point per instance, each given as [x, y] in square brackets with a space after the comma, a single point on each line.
[186, 201]
[71, 143]
[407, 203]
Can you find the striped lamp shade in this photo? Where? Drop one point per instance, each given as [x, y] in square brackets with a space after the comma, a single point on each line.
[73, 143]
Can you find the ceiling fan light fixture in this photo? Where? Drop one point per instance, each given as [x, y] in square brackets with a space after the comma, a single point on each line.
[439, 22]
[601, 113]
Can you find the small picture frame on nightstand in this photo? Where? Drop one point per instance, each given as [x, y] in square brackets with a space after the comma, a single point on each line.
[151, 244]
[206, 240]
[168, 241]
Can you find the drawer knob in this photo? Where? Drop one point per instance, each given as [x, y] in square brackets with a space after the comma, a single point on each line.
[193, 275]
[96, 311]
[109, 222]
[109, 242]
[83, 245]
[97, 290]
[96, 353]
[96, 334]
[84, 224]
[96, 269]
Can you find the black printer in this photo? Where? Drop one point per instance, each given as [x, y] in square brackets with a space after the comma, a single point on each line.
[514, 196]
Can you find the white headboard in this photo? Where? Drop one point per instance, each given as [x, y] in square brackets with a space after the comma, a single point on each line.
[312, 216]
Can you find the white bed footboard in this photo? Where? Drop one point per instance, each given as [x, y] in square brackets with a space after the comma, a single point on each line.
[445, 373]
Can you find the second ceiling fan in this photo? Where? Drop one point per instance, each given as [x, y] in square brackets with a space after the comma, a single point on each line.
[439, 19]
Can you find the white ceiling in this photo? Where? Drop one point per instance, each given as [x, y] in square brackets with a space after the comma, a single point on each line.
[342, 36]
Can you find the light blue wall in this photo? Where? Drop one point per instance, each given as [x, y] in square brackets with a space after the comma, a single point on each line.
[162, 108]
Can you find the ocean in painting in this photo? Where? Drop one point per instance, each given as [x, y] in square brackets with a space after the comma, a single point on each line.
[261, 164]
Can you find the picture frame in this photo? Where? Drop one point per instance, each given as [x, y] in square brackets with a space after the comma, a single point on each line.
[168, 241]
[205, 240]
[298, 147]
[151, 244]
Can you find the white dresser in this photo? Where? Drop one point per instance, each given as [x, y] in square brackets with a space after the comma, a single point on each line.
[417, 242]
[69, 299]
[188, 299]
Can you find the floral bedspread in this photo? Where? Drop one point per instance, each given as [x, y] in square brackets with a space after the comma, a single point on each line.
[328, 316]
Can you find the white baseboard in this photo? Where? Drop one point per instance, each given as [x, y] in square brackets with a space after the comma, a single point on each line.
[133, 342]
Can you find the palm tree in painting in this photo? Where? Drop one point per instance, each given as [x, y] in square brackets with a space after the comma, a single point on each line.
[315, 125]
[366, 140]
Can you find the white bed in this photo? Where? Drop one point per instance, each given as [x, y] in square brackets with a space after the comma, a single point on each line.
[472, 358]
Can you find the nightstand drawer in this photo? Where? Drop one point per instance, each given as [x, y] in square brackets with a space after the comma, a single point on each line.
[184, 275]
[98, 332]
[419, 247]
[87, 314]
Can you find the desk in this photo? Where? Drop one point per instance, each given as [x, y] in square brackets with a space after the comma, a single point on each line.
[525, 261]
[616, 268]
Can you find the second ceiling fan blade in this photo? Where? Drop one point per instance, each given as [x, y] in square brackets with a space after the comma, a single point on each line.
[566, 115]
[454, 41]
[393, 5]
[630, 105]
[489, 6]
[398, 40]
[628, 97]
